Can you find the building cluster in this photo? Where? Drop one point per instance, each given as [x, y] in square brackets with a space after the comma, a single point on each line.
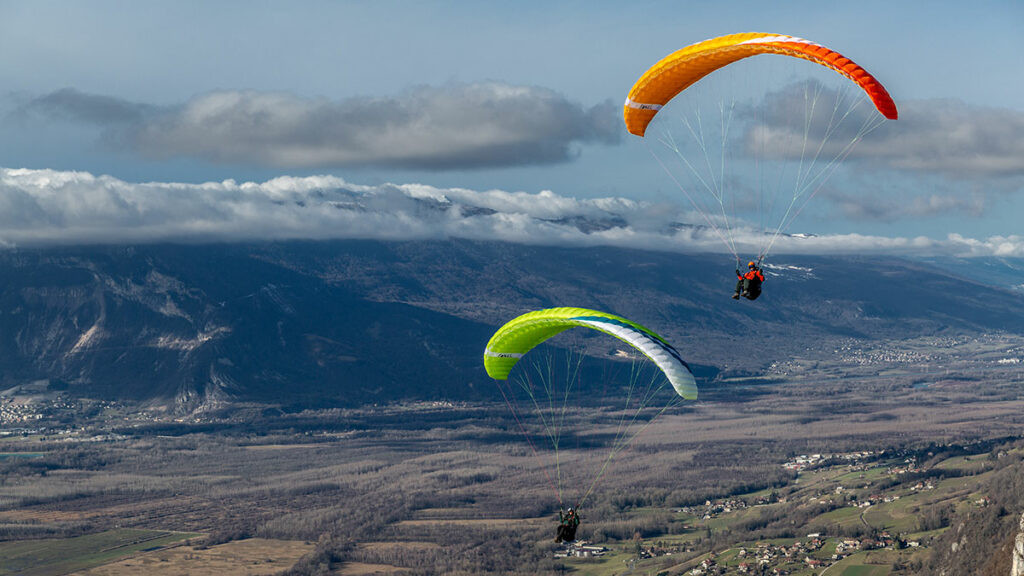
[909, 469]
[654, 552]
[15, 412]
[707, 566]
[580, 549]
[875, 499]
[780, 560]
[804, 461]
[767, 555]
[713, 509]
[887, 357]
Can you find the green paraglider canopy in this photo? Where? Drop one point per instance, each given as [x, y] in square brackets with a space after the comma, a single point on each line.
[519, 336]
[575, 429]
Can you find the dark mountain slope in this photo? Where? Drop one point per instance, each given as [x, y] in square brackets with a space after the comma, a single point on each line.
[315, 323]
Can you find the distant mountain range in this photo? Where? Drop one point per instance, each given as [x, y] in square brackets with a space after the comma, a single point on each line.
[1002, 272]
[349, 322]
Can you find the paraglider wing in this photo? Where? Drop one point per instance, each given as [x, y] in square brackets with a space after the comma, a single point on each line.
[681, 69]
[513, 340]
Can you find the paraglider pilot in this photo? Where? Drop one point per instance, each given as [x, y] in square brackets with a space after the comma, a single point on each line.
[568, 520]
[749, 285]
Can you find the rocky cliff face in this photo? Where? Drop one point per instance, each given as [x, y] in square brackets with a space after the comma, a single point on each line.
[195, 327]
[1018, 552]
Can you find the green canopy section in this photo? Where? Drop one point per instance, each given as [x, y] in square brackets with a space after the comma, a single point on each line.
[513, 340]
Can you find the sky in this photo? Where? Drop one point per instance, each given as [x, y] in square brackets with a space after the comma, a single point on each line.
[124, 121]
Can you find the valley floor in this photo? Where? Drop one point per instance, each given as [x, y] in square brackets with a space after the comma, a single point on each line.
[859, 465]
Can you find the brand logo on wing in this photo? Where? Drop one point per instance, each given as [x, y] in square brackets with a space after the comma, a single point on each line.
[494, 354]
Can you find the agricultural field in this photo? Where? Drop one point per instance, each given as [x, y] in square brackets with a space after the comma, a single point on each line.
[250, 557]
[52, 557]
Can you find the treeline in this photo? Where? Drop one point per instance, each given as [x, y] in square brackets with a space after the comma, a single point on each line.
[272, 421]
[330, 551]
[57, 457]
[29, 530]
[467, 549]
[462, 549]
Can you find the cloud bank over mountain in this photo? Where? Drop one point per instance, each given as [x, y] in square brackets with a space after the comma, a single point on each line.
[453, 126]
[48, 207]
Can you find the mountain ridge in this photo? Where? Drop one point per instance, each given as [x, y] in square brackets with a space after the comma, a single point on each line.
[345, 322]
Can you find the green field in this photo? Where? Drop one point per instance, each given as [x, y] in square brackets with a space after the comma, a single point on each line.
[6, 455]
[874, 563]
[846, 516]
[865, 571]
[52, 557]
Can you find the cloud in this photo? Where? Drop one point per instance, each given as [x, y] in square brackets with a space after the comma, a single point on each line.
[946, 137]
[48, 207]
[825, 140]
[456, 126]
[865, 205]
[70, 104]
[955, 139]
[953, 245]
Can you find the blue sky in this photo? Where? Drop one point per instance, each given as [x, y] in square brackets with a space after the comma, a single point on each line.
[517, 97]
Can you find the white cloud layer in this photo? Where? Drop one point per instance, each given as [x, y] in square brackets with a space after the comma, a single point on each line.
[47, 207]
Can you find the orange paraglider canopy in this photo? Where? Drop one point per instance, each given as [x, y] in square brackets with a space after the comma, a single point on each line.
[681, 69]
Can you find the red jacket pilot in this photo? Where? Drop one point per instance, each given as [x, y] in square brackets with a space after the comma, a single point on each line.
[749, 285]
